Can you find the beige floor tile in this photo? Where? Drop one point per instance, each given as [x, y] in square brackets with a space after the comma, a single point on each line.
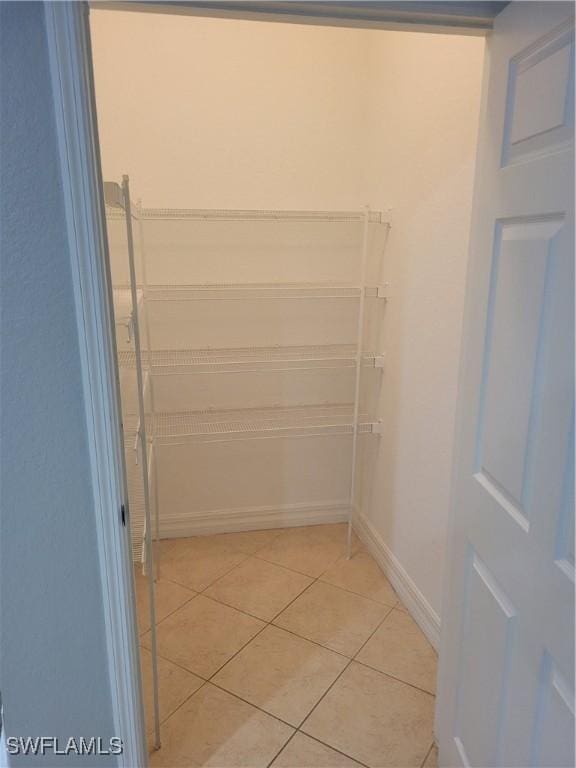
[197, 562]
[304, 752]
[432, 759]
[259, 588]
[332, 617]
[400, 648]
[377, 720]
[249, 542]
[214, 728]
[281, 673]
[308, 550]
[362, 575]
[246, 542]
[175, 685]
[168, 595]
[203, 635]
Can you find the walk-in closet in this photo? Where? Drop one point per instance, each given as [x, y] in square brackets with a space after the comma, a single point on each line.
[287, 212]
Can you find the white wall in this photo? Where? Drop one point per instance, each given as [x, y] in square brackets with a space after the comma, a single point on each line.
[423, 127]
[214, 113]
[230, 114]
[54, 664]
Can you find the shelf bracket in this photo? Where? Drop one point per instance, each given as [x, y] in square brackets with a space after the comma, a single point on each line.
[378, 427]
[381, 291]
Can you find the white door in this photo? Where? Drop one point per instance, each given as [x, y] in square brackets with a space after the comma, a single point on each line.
[506, 688]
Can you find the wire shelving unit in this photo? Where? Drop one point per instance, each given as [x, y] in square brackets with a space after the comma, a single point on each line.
[218, 426]
[258, 423]
[243, 291]
[251, 359]
[272, 216]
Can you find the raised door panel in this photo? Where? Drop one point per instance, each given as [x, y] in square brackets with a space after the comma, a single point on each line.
[553, 734]
[486, 645]
[540, 118]
[515, 311]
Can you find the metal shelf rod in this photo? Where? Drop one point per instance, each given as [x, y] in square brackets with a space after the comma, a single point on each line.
[249, 437]
[272, 216]
[143, 443]
[303, 365]
[359, 337]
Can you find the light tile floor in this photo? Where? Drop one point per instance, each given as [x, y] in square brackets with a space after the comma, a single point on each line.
[275, 650]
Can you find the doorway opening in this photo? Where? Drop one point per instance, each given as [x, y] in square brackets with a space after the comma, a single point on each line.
[301, 204]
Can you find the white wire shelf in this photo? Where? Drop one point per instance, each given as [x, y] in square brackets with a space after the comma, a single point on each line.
[274, 216]
[114, 213]
[231, 291]
[258, 423]
[119, 214]
[241, 291]
[250, 359]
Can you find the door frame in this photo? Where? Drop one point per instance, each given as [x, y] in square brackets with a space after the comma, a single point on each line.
[444, 18]
[68, 36]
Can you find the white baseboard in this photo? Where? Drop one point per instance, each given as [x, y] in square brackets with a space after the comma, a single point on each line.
[251, 519]
[415, 602]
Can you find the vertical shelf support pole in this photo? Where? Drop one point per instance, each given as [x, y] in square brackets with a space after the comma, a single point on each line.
[359, 338]
[151, 382]
[143, 445]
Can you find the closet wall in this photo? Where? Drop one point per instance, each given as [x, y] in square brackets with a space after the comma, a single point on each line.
[423, 122]
[212, 113]
[228, 114]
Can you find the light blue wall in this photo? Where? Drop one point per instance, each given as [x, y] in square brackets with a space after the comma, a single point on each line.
[53, 667]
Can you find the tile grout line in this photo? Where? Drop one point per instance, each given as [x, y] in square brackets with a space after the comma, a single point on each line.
[350, 660]
[188, 600]
[258, 556]
[298, 728]
[182, 667]
[209, 681]
[237, 652]
[265, 622]
[307, 640]
[331, 584]
[250, 703]
[204, 680]
[393, 677]
[282, 748]
[247, 556]
[423, 763]
[268, 623]
[358, 594]
[361, 548]
[217, 578]
[335, 749]
[273, 619]
[162, 722]
[255, 556]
